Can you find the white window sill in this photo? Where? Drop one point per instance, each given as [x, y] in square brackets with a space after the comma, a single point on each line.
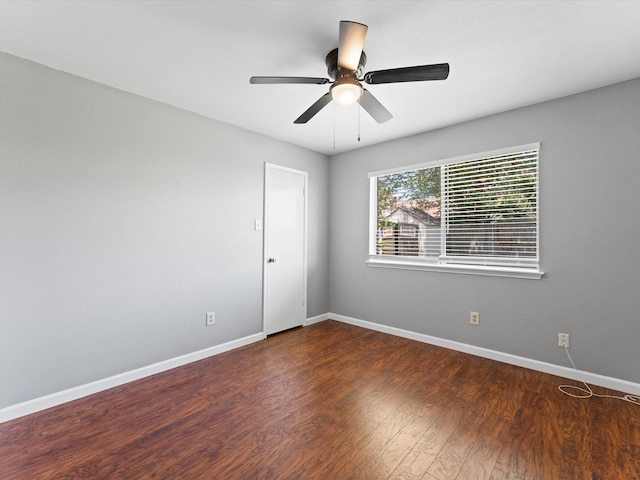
[494, 271]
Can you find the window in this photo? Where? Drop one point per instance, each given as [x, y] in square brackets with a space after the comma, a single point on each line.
[472, 214]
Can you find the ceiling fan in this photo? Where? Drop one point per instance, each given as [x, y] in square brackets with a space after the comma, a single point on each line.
[345, 66]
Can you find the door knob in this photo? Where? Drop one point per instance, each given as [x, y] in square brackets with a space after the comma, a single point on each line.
[271, 260]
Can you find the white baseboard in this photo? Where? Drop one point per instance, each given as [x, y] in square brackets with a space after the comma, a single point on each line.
[58, 398]
[31, 406]
[42, 403]
[319, 318]
[566, 372]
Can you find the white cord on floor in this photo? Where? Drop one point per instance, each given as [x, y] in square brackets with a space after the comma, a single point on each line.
[588, 393]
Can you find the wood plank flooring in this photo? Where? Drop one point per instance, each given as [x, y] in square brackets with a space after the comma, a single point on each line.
[332, 402]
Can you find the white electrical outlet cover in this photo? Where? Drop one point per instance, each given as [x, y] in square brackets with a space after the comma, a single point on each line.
[563, 340]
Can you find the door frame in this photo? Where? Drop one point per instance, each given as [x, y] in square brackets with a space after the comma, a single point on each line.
[265, 242]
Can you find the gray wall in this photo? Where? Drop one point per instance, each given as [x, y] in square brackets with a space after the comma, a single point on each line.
[589, 234]
[122, 221]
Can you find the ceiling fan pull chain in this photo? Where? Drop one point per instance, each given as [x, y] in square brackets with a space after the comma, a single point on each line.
[334, 130]
[359, 109]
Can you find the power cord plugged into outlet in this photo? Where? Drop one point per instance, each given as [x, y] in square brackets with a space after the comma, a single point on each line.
[587, 392]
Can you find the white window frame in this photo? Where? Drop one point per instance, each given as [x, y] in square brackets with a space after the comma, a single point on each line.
[439, 264]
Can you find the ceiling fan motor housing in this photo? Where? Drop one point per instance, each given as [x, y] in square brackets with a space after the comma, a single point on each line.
[335, 72]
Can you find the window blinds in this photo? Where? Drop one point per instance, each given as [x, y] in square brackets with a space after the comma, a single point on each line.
[490, 210]
[482, 211]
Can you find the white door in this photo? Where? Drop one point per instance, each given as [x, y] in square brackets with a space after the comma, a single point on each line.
[285, 276]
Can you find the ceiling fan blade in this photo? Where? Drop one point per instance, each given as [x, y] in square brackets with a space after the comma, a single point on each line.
[279, 80]
[374, 108]
[313, 109]
[350, 45]
[439, 71]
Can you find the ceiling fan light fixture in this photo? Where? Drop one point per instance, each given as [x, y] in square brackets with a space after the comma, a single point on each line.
[346, 91]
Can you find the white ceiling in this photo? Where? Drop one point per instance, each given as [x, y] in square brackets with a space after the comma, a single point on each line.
[199, 55]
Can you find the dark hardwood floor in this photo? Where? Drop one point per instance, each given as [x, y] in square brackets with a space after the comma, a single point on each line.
[330, 401]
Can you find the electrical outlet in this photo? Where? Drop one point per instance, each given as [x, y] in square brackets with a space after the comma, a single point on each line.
[563, 340]
[211, 318]
[474, 318]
